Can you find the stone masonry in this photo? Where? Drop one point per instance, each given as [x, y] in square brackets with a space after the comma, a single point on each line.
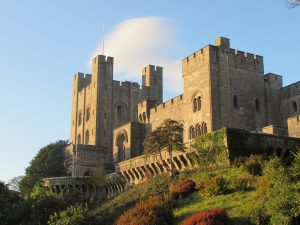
[223, 87]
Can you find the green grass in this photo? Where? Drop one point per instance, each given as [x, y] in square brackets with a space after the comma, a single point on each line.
[106, 212]
[237, 204]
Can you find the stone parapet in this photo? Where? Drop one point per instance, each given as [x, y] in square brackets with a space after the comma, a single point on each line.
[113, 185]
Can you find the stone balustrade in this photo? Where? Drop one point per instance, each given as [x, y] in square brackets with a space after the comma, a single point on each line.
[114, 184]
[138, 169]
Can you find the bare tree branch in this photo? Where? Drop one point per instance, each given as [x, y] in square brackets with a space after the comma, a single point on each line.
[293, 3]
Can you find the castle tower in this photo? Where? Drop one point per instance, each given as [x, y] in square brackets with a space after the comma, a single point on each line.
[237, 82]
[153, 77]
[101, 102]
[91, 105]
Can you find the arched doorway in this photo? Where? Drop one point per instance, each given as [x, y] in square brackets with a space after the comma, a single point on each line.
[121, 144]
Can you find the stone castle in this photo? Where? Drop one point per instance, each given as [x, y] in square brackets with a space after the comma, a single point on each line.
[223, 87]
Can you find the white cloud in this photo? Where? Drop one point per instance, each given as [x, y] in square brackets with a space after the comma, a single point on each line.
[137, 42]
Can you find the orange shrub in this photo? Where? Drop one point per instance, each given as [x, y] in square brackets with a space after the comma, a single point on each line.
[217, 216]
[154, 211]
[182, 189]
[263, 186]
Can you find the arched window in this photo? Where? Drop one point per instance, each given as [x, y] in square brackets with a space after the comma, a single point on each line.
[195, 105]
[79, 118]
[87, 136]
[257, 105]
[294, 106]
[144, 117]
[192, 133]
[198, 130]
[204, 128]
[235, 102]
[120, 112]
[88, 114]
[199, 103]
[79, 139]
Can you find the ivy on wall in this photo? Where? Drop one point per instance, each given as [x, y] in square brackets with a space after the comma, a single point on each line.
[224, 145]
[243, 143]
[211, 148]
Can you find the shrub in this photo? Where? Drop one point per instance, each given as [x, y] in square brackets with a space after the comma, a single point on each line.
[259, 214]
[242, 183]
[263, 186]
[216, 185]
[253, 165]
[157, 186]
[216, 216]
[211, 150]
[72, 215]
[283, 194]
[182, 189]
[239, 161]
[154, 211]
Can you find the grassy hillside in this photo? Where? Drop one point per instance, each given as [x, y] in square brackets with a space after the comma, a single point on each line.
[237, 203]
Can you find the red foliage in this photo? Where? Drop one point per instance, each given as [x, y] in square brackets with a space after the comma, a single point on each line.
[216, 216]
[183, 188]
[154, 211]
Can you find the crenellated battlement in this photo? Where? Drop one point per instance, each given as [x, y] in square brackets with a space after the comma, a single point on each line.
[82, 80]
[290, 90]
[167, 104]
[103, 59]
[152, 69]
[128, 84]
[215, 54]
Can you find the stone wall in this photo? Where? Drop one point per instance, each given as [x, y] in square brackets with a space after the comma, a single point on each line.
[294, 126]
[128, 141]
[83, 160]
[237, 143]
[100, 104]
[290, 102]
[237, 83]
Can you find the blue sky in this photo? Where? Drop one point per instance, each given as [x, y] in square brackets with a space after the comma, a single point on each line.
[43, 43]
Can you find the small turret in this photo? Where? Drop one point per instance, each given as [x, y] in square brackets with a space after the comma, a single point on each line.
[153, 77]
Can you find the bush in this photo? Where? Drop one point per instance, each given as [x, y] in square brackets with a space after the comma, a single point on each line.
[283, 195]
[242, 183]
[154, 211]
[216, 185]
[253, 165]
[182, 189]
[157, 186]
[259, 214]
[73, 215]
[263, 186]
[216, 216]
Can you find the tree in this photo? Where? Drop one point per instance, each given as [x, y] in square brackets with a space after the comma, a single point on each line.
[49, 162]
[167, 137]
[293, 3]
[73, 215]
[14, 183]
[283, 195]
[98, 177]
[13, 210]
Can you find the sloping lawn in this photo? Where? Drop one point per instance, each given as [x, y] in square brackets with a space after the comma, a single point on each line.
[237, 204]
